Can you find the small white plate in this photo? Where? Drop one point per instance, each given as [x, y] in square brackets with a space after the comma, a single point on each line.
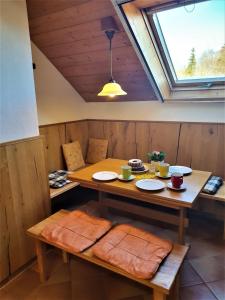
[150, 184]
[120, 177]
[141, 172]
[180, 169]
[181, 188]
[163, 177]
[105, 175]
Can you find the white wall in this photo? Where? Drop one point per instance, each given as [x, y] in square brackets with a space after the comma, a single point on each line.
[18, 112]
[156, 111]
[57, 100]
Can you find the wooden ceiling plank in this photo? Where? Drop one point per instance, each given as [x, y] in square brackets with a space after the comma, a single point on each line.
[71, 34]
[39, 8]
[95, 68]
[71, 38]
[120, 55]
[75, 15]
[84, 46]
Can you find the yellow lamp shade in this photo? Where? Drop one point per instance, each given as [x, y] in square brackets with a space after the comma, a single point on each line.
[112, 89]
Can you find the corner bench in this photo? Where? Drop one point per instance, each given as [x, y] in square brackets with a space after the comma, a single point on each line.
[162, 284]
[219, 196]
[56, 192]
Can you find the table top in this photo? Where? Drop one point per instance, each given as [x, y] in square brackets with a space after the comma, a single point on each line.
[175, 199]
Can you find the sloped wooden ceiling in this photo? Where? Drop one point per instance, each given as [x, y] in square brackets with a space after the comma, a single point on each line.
[69, 33]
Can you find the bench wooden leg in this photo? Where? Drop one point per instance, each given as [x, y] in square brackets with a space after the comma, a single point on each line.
[65, 257]
[224, 222]
[181, 232]
[41, 259]
[158, 295]
[174, 294]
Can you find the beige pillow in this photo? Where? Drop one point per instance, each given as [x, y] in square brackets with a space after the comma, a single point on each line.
[73, 156]
[97, 150]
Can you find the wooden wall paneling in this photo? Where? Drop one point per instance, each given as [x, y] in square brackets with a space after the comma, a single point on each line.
[202, 147]
[96, 129]
[121, 136]
[78, 131]
[5, 196]
[165, 137]
[27, 196]
[143, 139]
[158, 136]
[55, 136]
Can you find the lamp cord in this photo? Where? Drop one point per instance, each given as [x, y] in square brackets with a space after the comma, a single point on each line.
[110, 35]
[110, 49]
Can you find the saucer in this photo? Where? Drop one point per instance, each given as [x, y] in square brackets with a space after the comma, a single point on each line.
[181, 188]
[163, 177]
[120, 177]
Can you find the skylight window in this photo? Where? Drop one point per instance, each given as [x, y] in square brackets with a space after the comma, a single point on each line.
[191, 41]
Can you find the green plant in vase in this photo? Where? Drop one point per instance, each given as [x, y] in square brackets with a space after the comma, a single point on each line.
[155, 157]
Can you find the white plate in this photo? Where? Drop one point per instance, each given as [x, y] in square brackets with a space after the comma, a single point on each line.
[181, 188]
[120, 177]
[180, 169]
[105, 175]
[141, 172]
[163, 177]
[150, 184]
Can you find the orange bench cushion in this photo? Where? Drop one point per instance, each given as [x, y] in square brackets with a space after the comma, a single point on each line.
[76, 231]
[133, 250]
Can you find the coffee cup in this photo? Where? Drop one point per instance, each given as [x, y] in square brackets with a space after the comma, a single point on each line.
[163, 169]
[177, 180]
[126, 172]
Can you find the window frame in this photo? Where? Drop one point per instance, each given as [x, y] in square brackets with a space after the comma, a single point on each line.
[163, 51]
[134, 20]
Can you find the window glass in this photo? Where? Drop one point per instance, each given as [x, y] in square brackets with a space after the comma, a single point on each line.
[193, 40]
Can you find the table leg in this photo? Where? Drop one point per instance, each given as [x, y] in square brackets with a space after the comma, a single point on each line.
[181, 232]
[102, 207]
[41, 259]
[158, 295]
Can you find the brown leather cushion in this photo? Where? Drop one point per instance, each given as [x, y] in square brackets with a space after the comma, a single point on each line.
[97, 150]
[133, 250]
[76, 231]
[73, 156]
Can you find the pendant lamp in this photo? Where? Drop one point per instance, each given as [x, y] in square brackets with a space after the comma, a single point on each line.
[112, 88]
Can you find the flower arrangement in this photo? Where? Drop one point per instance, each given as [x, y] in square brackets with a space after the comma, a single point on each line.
[156, 156]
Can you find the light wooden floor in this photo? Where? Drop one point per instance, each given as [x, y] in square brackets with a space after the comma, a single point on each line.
[203, 274]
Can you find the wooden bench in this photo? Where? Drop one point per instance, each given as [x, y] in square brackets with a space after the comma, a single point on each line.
[163, 283]
[219, 196]
[56, 192]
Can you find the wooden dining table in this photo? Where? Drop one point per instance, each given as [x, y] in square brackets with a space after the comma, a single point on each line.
[179, 201]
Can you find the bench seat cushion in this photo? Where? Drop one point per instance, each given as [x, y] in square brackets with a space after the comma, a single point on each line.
[76, 231]
[133, 250]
